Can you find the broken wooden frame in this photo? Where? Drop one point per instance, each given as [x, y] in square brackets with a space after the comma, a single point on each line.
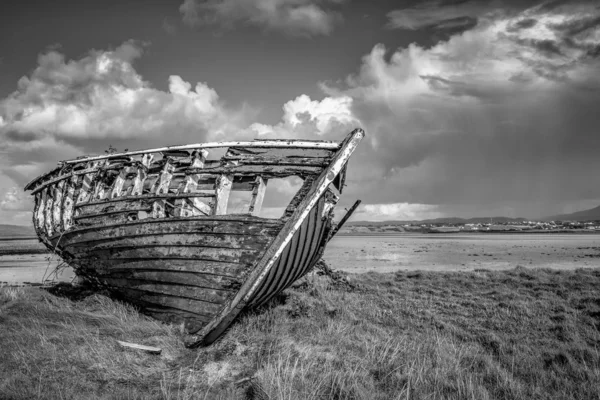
[175, 181]
[154, 225]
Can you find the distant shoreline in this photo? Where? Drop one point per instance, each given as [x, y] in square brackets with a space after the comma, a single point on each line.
[527, 232]
[17, 238]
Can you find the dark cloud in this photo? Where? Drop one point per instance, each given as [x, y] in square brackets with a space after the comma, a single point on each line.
[494, 117]
[522, 24]
[293, 17]
[577, 26]
[455, 24]
[440, 15]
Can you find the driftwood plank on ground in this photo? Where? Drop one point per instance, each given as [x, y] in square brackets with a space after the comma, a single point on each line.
[148, 349]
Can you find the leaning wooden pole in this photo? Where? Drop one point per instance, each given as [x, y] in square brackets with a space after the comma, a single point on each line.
[344, 218]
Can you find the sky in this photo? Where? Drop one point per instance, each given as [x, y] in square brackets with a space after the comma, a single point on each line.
[471, 108]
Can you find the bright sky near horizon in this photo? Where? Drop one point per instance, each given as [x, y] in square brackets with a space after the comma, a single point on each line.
[471, 107]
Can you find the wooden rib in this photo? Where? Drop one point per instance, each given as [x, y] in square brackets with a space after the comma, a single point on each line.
[48, 212]
[87, 187]
[193, 206]
[214, 329]
[222, 191]
[164, 180]
[161, 187]
[58, 205]
[258, 195]
[117, 187]
[69, 202]
[38, 214]
[258, 143]
[142, 173]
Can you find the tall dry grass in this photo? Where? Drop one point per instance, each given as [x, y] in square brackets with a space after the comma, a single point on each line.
[518, 334]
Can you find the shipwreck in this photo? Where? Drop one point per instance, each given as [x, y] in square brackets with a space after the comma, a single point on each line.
[153, 227]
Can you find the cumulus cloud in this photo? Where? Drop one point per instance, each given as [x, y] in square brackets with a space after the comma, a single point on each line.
[293, 17]
[311, 119]
[66, 107]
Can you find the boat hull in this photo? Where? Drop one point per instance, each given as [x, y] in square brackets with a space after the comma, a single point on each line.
[157, 234]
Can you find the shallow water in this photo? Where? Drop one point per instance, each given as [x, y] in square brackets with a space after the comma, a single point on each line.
[32, 268]
[384, 253]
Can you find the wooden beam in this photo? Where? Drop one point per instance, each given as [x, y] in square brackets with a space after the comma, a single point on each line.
[258, 195]
[222, 191]
[344, 219]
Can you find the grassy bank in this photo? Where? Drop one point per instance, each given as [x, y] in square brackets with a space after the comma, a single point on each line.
[516, 334]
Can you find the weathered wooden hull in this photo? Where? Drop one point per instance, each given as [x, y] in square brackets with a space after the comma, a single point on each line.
[181, 259]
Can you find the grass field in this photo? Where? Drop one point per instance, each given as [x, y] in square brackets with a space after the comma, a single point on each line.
[516, 334]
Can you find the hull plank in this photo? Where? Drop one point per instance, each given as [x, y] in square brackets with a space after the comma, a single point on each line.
[229, 270]
[172, 252]
[192, 279]
[209, 239]
[210, 296]
[231, 225]
[188, 305]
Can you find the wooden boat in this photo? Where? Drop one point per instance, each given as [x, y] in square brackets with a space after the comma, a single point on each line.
[152, 225]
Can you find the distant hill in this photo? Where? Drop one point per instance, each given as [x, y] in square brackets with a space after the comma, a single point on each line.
[585, 215]
[16, 231]
[449, 220]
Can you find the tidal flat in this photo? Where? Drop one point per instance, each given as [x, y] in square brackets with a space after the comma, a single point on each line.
[509, 334]
[28, 261]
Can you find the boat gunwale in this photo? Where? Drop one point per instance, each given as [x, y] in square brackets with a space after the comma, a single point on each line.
[274, 143]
